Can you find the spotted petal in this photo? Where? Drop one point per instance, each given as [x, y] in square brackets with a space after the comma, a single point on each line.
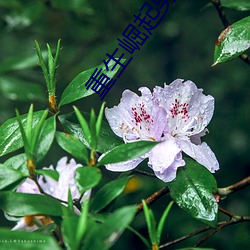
[189, 110]
[137, 117]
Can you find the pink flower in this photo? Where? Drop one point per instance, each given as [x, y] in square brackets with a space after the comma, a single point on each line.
[177, 115]
[58, 189]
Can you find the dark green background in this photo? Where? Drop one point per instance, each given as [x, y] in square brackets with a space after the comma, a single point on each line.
[180, 47]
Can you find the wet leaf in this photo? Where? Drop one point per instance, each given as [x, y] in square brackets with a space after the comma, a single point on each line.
[107, 138]
[16, 240]
[76, 88]
[126, 152]
[193, 191]
[10, 135]
[87, 177]
[108, 193]
[20, 204]
[242, 5]
[9, 176]
[105, 235]
[233, 41]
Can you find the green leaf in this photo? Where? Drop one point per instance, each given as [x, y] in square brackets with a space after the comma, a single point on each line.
[233, 41]
[193, 191]
[46, 138]
[106, 234]
[53, 174]
[151, 223]
[87, 177]
[92, 127]
[107, 139]
[18, 162]
[20, 204]
[99, 121]
[73, 146]
[108, 193]
[127, 152]
[74, 228]
[8, 176]
[162, 221]
[84, 125]
[76, 88]
[69, 230]
[241, 5]
[10, 136]
[16, 240]
[19, 90]
[19, 63]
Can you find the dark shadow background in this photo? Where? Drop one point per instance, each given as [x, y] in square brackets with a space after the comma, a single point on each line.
[180, 47]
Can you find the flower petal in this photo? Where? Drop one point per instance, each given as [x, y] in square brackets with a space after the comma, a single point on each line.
[137, 117]
[29, 187]
[165, 158]
[201, 153]
[125, 166]
[189, 110]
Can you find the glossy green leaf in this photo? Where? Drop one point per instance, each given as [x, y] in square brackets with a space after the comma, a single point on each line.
[18, 162]
[151, 223]
[20, 204]
[162, 221]
[10, 136]
[46, 138]
[53, 174]
[99, 121]
[84, 125]
[193, 191]
[108, 193]
[87, 177]
[242, 5]
[69, 230]
[8, 176]
[19, 90]
[105, 235]
[107, 139]
[76, 88]
[127, 152]
[16, 240]
[74, 228]
[233, 41]
[73, 146]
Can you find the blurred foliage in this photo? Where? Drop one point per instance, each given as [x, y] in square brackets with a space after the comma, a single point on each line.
[180, 47]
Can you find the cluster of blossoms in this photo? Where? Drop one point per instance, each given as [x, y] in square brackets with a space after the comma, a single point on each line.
[176, 115]
[58, 189]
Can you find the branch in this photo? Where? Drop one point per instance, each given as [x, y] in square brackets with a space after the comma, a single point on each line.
[235, 220]
[223, 192]
[226, 23]
[144, 173]
[152, 198]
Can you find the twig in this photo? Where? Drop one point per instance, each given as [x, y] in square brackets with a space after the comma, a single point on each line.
[224, 211]
[223, 192]
[144, 173]
[152, 198]
[235, 220]
[226, 23]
